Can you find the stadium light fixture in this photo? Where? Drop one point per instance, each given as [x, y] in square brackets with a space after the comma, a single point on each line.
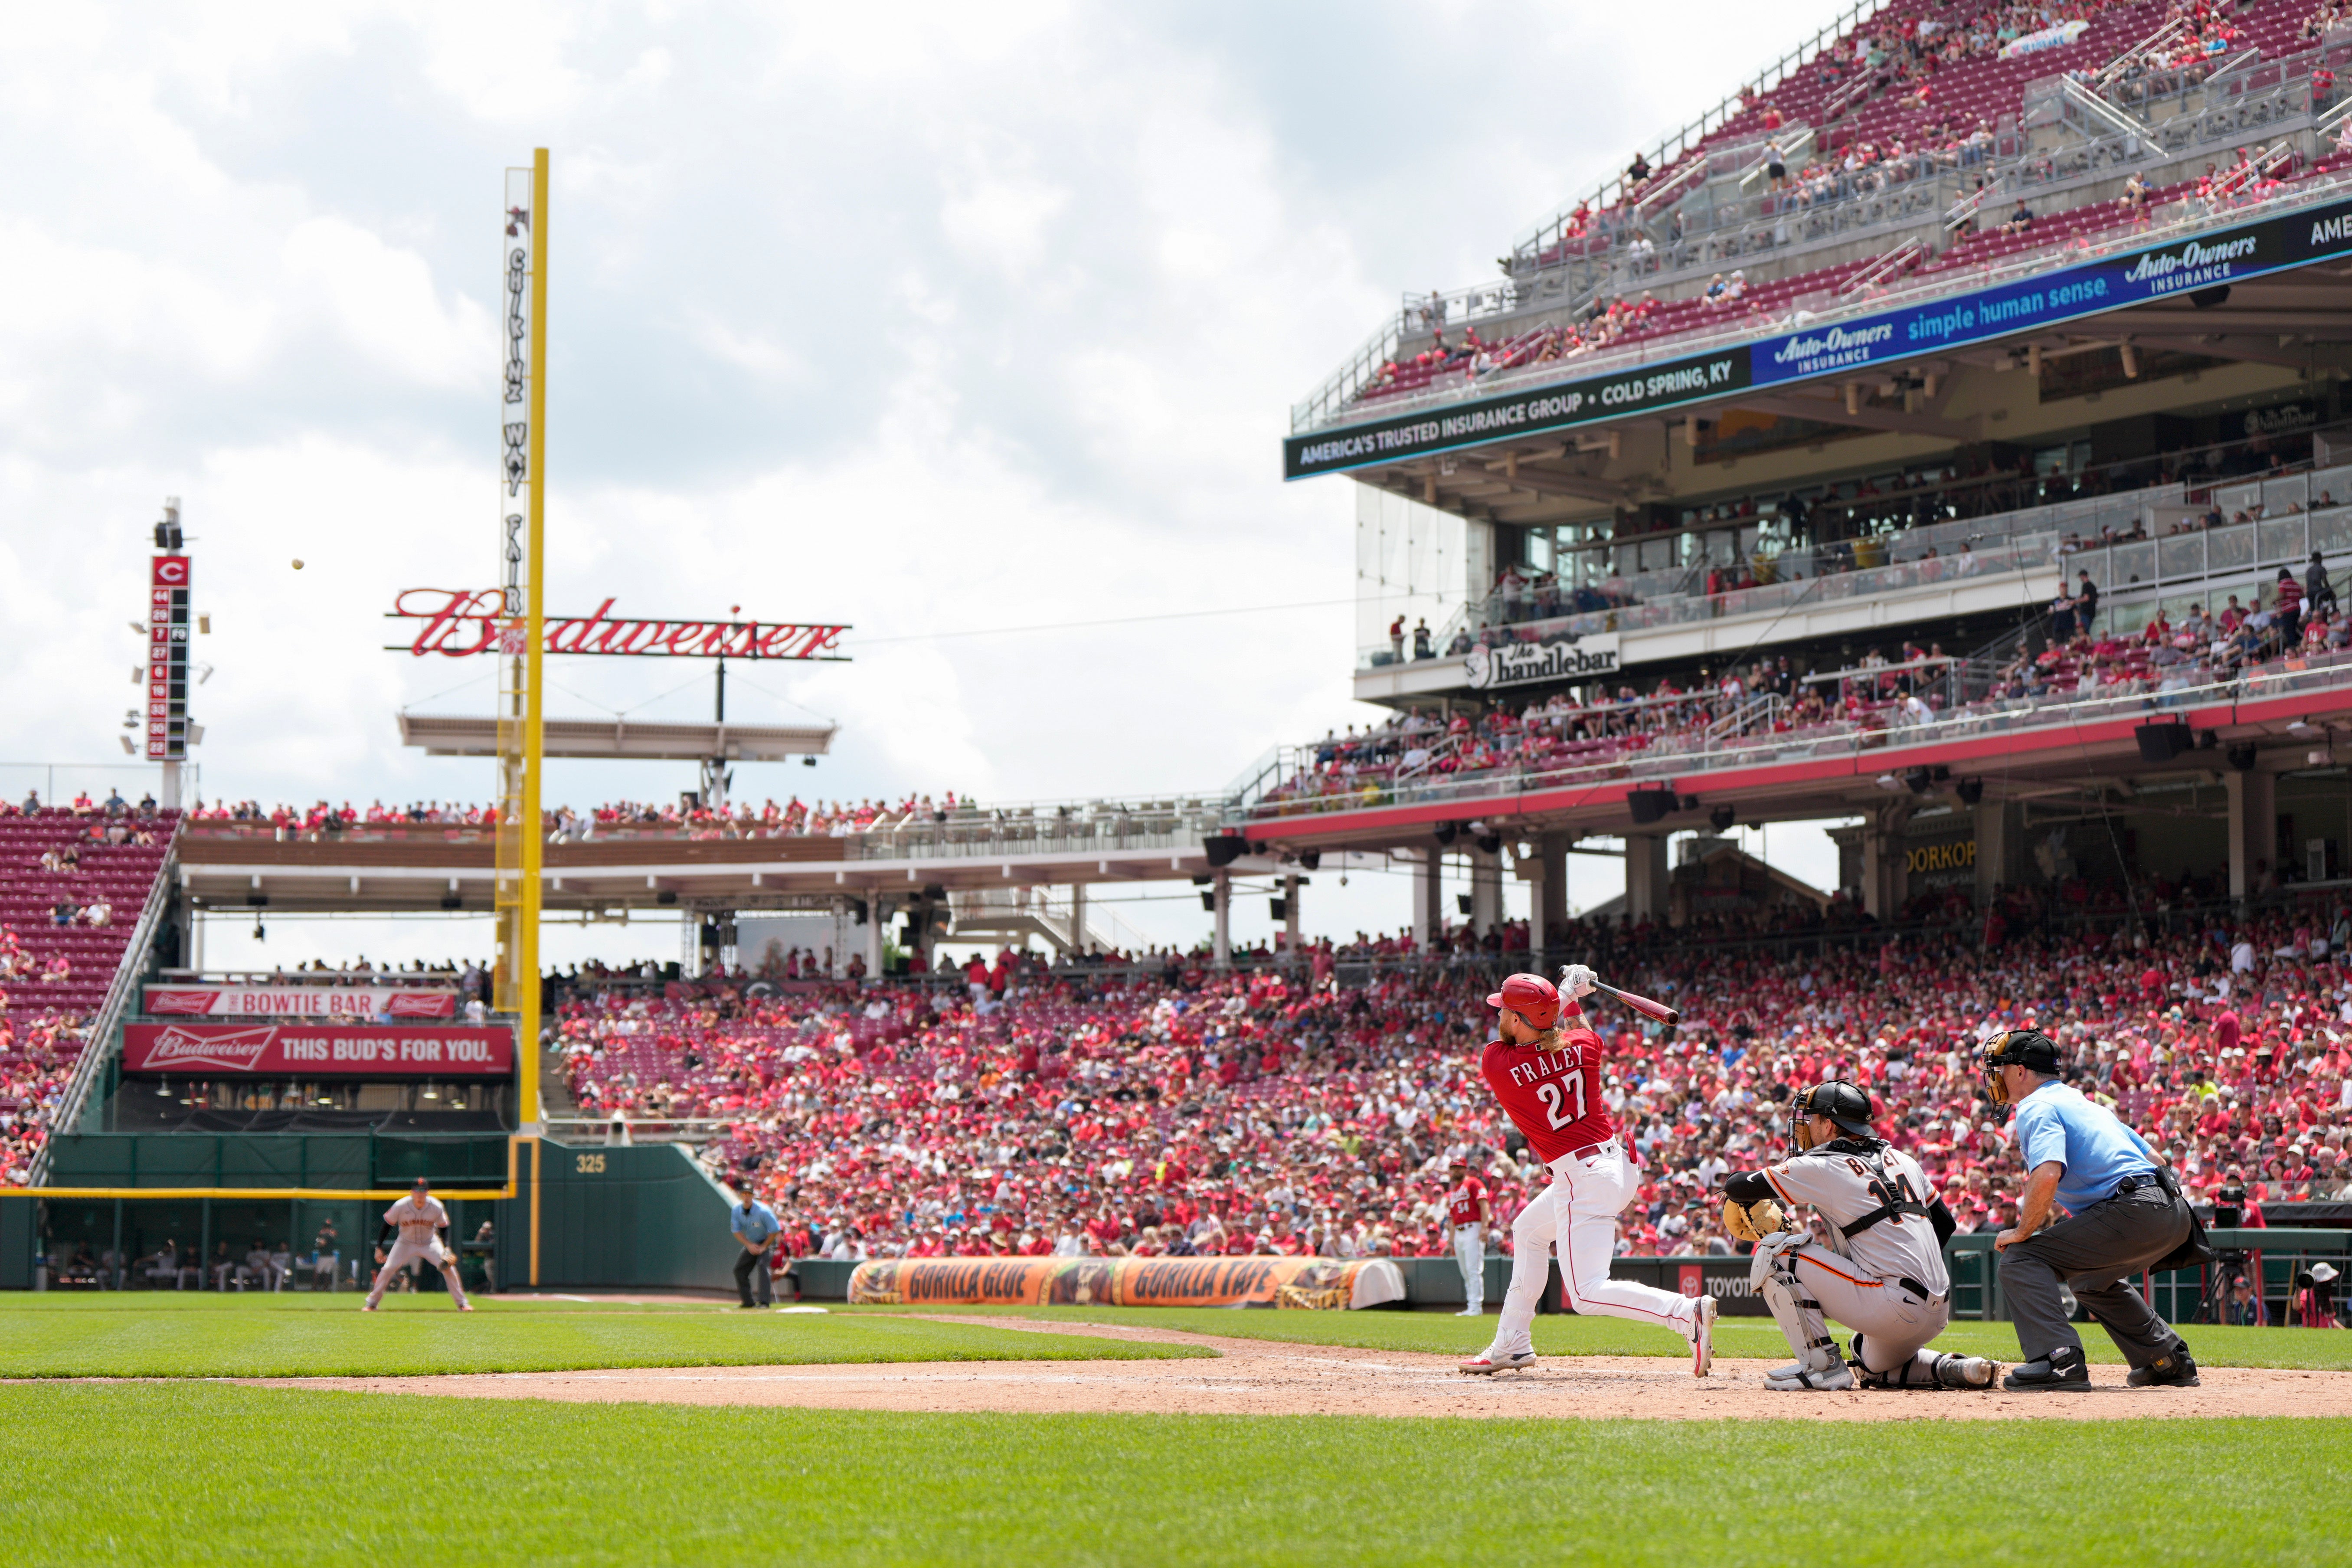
[2303, 729]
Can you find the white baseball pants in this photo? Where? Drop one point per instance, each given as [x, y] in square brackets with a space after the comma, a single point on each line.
[1579, 1212]
[1893, 1320]
[405, 1252]
[1470, 1254]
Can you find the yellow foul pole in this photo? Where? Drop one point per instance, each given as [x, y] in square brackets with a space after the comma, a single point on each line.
[522, 650]
[534, 839]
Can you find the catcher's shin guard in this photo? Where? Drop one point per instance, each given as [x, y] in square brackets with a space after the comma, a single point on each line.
[1927, 1369]
[1818, 1363]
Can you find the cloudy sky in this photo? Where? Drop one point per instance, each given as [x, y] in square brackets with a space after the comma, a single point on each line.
[935, 319]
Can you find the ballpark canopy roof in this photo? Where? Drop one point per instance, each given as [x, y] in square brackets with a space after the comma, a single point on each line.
[449, 735]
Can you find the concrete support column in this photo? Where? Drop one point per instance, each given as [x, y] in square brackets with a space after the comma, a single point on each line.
[2254, 831]
[2001, 840]
[1221, 943]
[1550, 912]
[1648, 878]
[1078, 918]
[169, 793]
[1428, 906]
[1485, 891]
[689, 942]
[1290, 914]
[1881, 870]
[877, 913]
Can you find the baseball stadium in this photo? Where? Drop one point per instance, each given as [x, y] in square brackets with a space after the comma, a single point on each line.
[1836, 781]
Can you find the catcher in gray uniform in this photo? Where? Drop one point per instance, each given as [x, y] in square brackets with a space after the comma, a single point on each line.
[1883, 1271]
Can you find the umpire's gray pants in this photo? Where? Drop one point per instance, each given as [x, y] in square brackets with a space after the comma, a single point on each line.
[2093, 1253]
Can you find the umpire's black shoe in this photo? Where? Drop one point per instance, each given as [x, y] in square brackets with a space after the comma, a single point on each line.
[2177, 1369]
[2062, 1368]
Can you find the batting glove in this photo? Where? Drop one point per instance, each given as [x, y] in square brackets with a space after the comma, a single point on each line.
[1576, 980]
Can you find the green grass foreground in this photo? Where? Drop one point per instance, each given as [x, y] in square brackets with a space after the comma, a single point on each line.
[270, 1336]
[2302, 1350]
[208, 1473]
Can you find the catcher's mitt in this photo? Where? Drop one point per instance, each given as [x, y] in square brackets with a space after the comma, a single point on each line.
[1752, 1222]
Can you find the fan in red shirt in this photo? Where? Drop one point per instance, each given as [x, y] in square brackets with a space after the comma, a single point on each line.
[1547, 1080]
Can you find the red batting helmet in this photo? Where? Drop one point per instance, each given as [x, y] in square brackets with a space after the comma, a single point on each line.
[1531, 996]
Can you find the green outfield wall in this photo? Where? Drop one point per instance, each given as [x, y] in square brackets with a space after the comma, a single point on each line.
[641, 1218]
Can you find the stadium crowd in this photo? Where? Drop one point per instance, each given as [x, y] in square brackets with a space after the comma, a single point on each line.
[1314, 1108]
[795, 819]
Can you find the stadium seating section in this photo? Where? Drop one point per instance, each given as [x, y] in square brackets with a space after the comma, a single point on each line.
[55, 976]
[1910, 116]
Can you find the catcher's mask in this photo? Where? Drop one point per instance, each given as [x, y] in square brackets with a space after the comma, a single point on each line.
[1839, 1100]
[2029, 1048]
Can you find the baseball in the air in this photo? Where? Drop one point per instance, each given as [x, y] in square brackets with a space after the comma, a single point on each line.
[298, 564]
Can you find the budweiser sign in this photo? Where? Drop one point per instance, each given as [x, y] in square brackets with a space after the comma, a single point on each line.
[330, 1051]
[355, 1002]
[456, 622]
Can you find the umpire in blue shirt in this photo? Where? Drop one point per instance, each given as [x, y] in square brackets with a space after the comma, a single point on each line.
[754, 1225]
[2128, 1214]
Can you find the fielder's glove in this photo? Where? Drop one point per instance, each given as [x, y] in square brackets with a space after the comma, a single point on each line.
[1752, 1221]
[1575, 980]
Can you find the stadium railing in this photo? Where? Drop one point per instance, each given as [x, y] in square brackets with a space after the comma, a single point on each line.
[1691, 755]
[2300, 514]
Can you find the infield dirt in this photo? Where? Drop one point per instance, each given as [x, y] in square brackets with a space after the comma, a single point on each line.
[1261, 1377]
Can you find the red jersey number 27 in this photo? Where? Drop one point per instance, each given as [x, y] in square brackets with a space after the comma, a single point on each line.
[1553, 1099]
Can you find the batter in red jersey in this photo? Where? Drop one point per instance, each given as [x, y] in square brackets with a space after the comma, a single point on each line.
[1545, 1071]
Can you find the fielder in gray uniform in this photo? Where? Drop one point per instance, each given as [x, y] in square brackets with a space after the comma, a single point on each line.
[419, 1219]
[1882, 1272]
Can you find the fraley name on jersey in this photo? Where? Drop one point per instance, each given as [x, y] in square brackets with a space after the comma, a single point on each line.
[1544, 1064]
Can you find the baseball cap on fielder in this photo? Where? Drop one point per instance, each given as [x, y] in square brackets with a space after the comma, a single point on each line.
[1531, 996]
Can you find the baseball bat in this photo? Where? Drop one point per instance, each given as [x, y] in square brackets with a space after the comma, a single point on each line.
[1658, 1010]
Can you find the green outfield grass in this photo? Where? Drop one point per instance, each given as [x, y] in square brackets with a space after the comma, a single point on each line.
[173, 1336]
[1444, 1334]
[210, 1473]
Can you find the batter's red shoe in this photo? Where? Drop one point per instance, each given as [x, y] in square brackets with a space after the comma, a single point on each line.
[1490, 1363]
